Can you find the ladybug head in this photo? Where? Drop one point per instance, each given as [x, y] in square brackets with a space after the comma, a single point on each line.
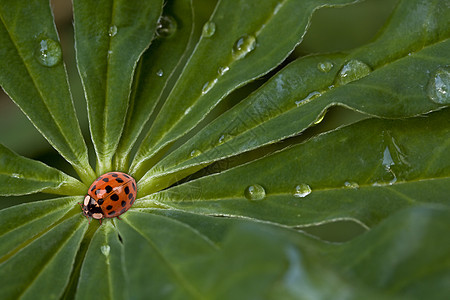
[91, 208]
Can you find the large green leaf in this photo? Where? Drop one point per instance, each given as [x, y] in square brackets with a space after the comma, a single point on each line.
[20, 223]
[406, 255]
[110, 36]
[402, 84]
[104, 259]
[20, 175]
[399, 258]
[30, 69]
[365, 172]
[234, 49]
[153, 73]
[156, 249]
[44, 264]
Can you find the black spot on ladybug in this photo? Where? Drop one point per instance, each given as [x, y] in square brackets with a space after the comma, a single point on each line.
[127, 190]
[123, 203]
[105, 179]
[123, 210]
[114, 197]
[130, 196]
[126, 176]
[114, 175]
[108, 188]
[100, 201]
[93, 188]
[134, 186]
[100, 178]
[132, 201]
[109, 207]
[119, 180]
[111, 213]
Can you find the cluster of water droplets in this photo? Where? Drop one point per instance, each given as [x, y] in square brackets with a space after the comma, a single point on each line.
[49, 52]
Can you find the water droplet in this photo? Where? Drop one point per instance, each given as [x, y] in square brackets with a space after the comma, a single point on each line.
[351, 185]
[166, 27]
[255, 192]
[223, 70]
[321, 117]
[277, 8]
[224, 138]
[209, 29]
[351, 71]
[195, 153]
[325, 66]
[49, 52]
[105, 250]
[188, 110]
[16, 175]
[112, 30]
[243, 46]
[109, 53]
[439, 86]
[208, 86]
[160, 73]
[387, 159]
[308, 98]
[302, 190]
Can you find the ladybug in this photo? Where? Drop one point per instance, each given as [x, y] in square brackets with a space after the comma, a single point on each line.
[109, 196]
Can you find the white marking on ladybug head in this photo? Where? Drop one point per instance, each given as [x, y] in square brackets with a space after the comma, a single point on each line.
[86, 200]
[97, 216]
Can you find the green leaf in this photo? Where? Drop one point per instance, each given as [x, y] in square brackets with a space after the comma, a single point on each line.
[153, 73]
[30, 69]
[104, 259]
[396, 259]
[156, 251]
[299, 95]
[363, 172]
[406, 255]
[20, 175]
[22, 222]
[44, 264]
[241, 48]
[110, 36]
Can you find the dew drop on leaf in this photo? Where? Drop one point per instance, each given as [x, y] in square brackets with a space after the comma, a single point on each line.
[351, 185]
[160, 73]
[166, 27]
[209, 29]
[208, 86]
[439, 86]
[105, 250]
[224, 138]
[325, 66]
[351, 71]
[255, 192]
[195, 153]
[112, 30]
[223, 70]
[302, 190]
[49, 52]
[243, 46]
[308, 98]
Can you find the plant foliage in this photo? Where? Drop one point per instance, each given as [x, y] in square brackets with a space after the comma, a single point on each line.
[223, 190]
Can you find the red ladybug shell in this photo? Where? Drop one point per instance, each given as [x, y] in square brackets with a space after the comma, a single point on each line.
[109, 196]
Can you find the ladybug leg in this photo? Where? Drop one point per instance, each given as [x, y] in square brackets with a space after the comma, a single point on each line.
[118, 217]
[100, 221]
